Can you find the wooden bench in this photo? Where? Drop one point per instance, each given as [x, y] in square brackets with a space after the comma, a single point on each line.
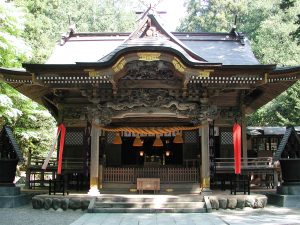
[240, 183]
[57, 186]
[152, 184]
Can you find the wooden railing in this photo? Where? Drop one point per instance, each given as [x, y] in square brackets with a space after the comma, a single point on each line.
[247, 164]
[68, 163]
[166, 175]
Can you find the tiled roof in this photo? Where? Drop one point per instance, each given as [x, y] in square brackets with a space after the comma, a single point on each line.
[226, 48]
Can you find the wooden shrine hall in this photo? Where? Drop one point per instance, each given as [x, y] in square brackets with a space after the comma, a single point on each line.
[151, 103]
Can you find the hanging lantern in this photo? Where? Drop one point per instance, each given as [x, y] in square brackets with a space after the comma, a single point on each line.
[137, 141]
[168, 153]
[178, 138]
[117, 139]
[141, 153]
[158, 142]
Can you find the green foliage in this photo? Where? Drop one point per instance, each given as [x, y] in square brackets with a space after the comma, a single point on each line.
[13, 50]
[274, 44]
[286, 4]
[32, 124]
[211, 16]
[282, 111]
[296, 34]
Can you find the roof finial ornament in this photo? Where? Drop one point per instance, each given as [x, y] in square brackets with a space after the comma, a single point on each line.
[150, 8]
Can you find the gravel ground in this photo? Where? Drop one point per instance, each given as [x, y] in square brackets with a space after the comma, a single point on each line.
[267, 216]
[270, 215]
[26, 215]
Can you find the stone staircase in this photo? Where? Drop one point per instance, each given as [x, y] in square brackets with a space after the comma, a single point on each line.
[147, 204]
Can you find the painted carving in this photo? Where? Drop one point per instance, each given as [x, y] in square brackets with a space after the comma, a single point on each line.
[153, 100]
[181, 106]
[149, 70]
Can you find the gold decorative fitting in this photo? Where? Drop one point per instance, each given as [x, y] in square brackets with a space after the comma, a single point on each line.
[117, 139]
[158, 142]
[137, 141]
[266, 77]
[149, 56]
[178, 65]
[178, 139]
[205, 73]
[93, 74]
[119, 65]
[206, 182]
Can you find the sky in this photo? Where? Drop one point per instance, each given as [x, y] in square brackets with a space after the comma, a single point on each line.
[175, 11]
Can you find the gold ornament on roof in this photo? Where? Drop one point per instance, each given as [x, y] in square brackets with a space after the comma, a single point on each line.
[119, 65]
[149, 56]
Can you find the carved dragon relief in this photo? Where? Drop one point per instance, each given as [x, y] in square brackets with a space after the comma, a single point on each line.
[153, 101]
[149, 70]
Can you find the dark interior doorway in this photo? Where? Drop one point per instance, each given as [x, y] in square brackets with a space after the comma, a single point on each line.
[147, 155]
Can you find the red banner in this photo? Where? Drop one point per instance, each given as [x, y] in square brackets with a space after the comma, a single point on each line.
[62, 130]
[237, 136]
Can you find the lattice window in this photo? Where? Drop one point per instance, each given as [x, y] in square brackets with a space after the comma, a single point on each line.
[74, 138]
[110, 137]
[226, 138]
[190, 137]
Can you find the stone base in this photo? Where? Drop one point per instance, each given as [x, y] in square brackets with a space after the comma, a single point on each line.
[290, 201]
[9, 191]
[289, 188]
[10, 197]
[14, 201]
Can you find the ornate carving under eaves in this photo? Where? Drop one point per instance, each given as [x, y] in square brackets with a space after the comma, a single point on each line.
[151, 102]
[149, 70]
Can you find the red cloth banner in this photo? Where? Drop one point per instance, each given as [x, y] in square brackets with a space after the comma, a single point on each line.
[237, 137]
[62, 130]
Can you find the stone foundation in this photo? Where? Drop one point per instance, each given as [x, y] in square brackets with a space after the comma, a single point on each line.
[63, 203]
[237, 201]
[11, 197]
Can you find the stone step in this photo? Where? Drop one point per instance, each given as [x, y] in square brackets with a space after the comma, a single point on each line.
[149, 199]
[150, 205]
[148, 210]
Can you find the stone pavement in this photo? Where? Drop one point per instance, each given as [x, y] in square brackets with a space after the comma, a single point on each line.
[148, 219]
[269, 215]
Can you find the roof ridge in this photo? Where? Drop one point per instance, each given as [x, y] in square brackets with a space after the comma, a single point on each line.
[147, 27]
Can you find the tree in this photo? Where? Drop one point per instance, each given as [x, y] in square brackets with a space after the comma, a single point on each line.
[211, 16]
[32, 124]
[282, 111]
[13, 50]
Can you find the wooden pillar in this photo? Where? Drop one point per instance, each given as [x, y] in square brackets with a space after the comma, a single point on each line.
[94, 164]
[244, 137]
[205, 172]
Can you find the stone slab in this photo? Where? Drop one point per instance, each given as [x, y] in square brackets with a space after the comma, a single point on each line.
[289, 201]
[9, 191]
[14, 201]
[291, 189]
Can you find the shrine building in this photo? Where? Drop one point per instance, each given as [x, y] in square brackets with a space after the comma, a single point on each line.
[151, 103]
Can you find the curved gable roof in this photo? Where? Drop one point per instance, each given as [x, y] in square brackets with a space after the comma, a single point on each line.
[224, 48]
